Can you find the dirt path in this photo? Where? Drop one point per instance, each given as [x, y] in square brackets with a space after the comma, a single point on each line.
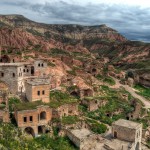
[132, 92]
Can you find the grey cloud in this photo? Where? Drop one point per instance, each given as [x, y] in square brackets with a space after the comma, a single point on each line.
[130, 21]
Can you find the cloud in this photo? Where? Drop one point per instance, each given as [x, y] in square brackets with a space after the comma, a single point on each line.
[130, 20]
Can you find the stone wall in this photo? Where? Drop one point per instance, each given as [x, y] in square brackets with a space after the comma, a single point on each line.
[4, 116]
[13, 77]
[94, 104]
[40, 116]
[124, 133]
[65, 110]
[32, 92]
[40, 67]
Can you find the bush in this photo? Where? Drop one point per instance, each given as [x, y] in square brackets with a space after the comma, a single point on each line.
[143, 91]
[12, 102]
[109, 80]
[69, 120]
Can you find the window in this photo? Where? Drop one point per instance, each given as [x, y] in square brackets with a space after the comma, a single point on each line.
[31, 118]
[23, 70]
[43, 92]
[38, 92]
[25, 119]
[2, 74]
[27, 70]
[42, 115]
[42, 65]
[39, 65]
[13, 74]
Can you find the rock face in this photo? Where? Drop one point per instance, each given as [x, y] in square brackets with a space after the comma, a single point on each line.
[18, 33]
[76, 32]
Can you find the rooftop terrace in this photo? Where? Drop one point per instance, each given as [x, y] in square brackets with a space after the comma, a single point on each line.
[13, 64]
[81, 133]
[38, 81]
[126, 123]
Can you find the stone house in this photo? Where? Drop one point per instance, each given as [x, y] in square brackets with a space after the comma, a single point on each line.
[128, 131]
[82, 138]
[34, 120]
[12, 75]
[37, 89]
[86, 92]
[93, 104]
[40, 67]
[126, 135]
[65, 110]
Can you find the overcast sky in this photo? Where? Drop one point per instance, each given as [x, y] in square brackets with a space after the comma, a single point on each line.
[129, 17]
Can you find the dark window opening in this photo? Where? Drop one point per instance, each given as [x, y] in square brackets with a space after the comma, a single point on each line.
[38, 92]
[32, 70]
[43, 92]
[13, 74]
[31, 118]
[43, 115]
[39, 65]
[25, 119]
[2, 74]
[42, 65]
[115, 134]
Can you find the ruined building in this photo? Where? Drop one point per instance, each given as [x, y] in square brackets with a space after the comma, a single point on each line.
[33, 118]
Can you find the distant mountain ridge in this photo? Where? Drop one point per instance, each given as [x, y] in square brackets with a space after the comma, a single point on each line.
[77, 32]
[18, 32]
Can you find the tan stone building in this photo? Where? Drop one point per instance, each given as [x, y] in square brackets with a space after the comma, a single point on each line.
[94, 103]
[40, 67]
[128, 131]
[37, 89]
[65, 110]
[33, 118]
[82, 138]
[126, 135]
[12, 75]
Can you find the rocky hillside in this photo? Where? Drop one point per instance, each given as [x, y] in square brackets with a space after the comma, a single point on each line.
[18, 32]
[75, 32]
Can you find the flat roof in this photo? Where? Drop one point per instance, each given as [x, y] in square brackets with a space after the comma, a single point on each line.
[81, 133]
[38, 81]
[126, 123]
[13, 64]
[117, 144]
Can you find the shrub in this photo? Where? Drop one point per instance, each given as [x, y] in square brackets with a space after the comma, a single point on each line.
[109, 80]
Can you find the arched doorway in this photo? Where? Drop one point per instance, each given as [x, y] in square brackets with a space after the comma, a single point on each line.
[5, 59]
[42, 115]
[29, 131]
[75, 94]
[41, 130]
[93, 70]
[32, 70]
[88, 92]
[137, 146]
